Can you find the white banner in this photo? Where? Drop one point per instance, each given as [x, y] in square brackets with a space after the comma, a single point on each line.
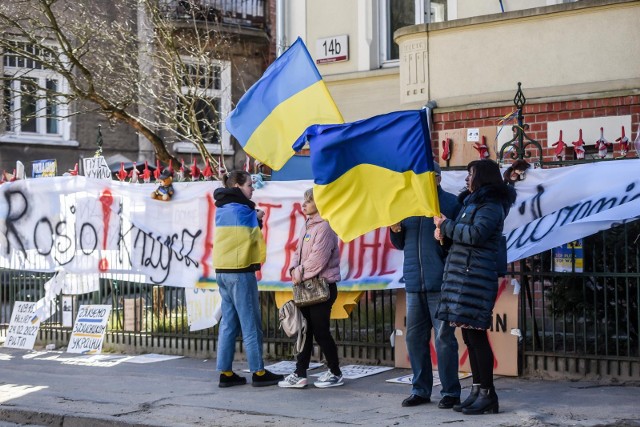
[89, 228]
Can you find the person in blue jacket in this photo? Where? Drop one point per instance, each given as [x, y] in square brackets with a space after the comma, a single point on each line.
[424, 259]
[470, 283]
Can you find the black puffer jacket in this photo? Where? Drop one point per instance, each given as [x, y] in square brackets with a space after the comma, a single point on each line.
[470, 281]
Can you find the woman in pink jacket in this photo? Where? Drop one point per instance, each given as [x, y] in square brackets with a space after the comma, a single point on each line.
[317, 254]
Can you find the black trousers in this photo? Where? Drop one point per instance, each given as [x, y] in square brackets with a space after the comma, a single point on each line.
[318, 327]
[480, 356]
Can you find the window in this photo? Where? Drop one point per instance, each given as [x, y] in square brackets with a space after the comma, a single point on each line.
[395, 14]
[207, 97]
[31, 96]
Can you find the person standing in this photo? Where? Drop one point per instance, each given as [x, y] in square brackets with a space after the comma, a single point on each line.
[424, 260]
[239, 249]
[317, 254]
[470, 282]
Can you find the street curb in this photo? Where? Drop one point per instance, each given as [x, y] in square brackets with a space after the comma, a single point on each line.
[25, 416]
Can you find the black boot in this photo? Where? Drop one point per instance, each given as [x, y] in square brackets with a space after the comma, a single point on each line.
[487, 401]
[475, 389]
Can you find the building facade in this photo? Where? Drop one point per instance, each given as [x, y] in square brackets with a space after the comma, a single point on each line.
[576, 60]
[577, 64]
[37, 125]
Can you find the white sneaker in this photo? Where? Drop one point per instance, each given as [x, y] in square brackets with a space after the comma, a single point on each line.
[293, 381]
[329, 380]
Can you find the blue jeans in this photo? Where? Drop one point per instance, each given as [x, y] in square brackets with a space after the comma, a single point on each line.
[421, 311]
[240, 312]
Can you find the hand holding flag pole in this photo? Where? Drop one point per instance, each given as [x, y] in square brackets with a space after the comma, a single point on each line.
[438, 220]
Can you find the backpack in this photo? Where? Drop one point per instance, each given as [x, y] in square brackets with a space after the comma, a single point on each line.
[293, 323]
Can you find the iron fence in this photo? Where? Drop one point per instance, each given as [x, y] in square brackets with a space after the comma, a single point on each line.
[585, 321]
[154, 318]
[577, 322]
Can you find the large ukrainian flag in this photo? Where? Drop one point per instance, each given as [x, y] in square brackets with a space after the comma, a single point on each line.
[275, 111]
[372, 173]
[238, 241]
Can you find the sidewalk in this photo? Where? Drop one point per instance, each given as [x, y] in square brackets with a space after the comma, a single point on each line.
[61, 389]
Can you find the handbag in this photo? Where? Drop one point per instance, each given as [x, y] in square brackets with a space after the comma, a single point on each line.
[293, 323]
[311, 291]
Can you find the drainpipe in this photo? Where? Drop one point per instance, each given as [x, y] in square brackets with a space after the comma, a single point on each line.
[428, 107]
[281, 37]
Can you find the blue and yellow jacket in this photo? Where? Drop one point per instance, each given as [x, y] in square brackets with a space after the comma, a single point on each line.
[238, 244]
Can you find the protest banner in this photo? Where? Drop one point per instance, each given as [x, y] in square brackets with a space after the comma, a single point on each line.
[87, 228]
[88, 331]
[23, 326]
[96, 167]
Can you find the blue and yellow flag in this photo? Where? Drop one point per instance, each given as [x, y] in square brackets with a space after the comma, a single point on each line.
[289, 97]
[372, 173]
[238, 241]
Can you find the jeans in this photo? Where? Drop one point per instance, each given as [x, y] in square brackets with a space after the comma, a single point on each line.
[421, 311]
[318, 327]
[240, 312]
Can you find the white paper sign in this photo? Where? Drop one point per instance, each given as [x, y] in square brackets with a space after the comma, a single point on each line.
[352, 372]
[96, 167]
[23, 326]
[67, 311]
[203, 308]
[88, 331]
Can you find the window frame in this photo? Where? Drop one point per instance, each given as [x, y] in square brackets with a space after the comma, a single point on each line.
[224, 95]
[16, 73]
[384, 25]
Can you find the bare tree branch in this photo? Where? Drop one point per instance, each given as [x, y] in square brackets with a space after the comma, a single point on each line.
[157, 80]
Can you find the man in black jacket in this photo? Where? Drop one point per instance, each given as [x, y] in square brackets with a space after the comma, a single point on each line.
[424, 259]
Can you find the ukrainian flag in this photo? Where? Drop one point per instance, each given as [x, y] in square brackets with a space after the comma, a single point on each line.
[238, 241]
[275, 111]
[372, 173]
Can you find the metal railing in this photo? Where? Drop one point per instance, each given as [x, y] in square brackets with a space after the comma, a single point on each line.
[154, 318]
[244, 13]
[584, 322]
[578, 322]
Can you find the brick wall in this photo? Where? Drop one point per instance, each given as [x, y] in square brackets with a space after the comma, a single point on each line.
[538, 115]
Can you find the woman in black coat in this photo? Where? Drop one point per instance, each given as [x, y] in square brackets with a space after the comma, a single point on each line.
[470, 282]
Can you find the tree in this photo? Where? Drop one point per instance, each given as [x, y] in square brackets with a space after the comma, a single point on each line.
[130, 60]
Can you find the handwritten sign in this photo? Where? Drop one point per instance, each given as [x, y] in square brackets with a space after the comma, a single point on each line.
[96, 167]
[23, 326]
[88, 331]
[203, 308]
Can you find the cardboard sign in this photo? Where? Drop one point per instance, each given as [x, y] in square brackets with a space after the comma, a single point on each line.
[503, 343]
[23, 326]
[88, 331]
[96, 167]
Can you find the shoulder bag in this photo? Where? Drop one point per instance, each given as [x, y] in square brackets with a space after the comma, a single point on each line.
[311, 291]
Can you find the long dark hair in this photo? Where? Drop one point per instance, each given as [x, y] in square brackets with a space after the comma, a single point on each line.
[485, 172]
[229, 180]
